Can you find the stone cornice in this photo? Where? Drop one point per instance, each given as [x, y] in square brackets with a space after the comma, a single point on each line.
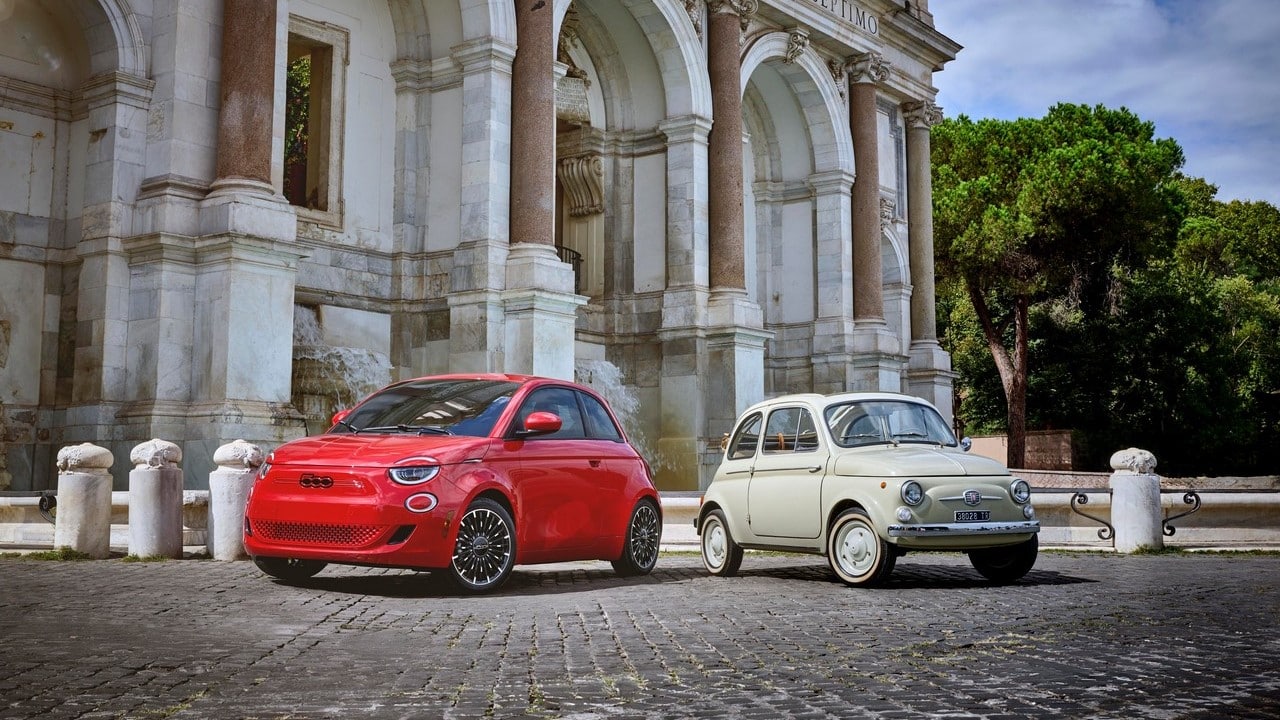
[35, 99]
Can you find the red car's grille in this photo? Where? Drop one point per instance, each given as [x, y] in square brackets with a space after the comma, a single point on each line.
[317, 534]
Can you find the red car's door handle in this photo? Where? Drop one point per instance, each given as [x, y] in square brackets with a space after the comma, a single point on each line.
[594, 463]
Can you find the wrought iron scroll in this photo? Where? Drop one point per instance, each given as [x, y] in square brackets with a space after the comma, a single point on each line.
[1190, 497]
[1106, 533]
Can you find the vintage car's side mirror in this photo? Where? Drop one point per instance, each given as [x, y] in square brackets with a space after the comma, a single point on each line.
[724, 442]
[540, 423]
[966, 444]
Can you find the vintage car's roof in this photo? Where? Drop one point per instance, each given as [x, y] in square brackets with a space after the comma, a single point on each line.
[835, 398]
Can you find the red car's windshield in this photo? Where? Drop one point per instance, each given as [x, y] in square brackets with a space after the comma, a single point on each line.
[452, 407]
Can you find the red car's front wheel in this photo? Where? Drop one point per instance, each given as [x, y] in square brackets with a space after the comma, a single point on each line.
[485, 551]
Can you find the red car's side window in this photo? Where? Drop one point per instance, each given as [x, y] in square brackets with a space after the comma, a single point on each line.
[599, 424]
[563, 402]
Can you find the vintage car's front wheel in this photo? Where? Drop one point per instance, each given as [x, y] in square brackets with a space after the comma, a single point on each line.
[640, 554]
[485, 551]
[720, 554]
[857, 553]
[1003, 565]
[289, 569]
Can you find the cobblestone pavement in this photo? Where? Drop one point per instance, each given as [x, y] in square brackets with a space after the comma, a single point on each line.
[1083, 635]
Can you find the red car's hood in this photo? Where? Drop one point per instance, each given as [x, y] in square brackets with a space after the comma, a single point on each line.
[378, 450]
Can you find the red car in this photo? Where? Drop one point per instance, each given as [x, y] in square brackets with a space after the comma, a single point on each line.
[471, 474]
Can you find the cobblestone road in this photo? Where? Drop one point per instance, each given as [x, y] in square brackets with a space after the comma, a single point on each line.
[1083, 635]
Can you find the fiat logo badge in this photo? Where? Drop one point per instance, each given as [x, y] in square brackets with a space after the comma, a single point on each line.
[315, 481]
[972, 497]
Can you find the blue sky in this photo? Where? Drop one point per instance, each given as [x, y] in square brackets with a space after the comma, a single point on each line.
[1206, 72]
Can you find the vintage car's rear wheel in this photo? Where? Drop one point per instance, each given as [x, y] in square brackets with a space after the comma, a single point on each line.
[485, 551]
[720, 554]
[857, 553]
[291, 569]
[640, 554]
[1003, 565]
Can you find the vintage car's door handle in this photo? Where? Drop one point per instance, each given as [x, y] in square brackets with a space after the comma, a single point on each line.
[815, 468]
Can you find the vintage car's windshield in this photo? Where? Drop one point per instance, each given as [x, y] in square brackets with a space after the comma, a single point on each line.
[870, 422]
[432, 407]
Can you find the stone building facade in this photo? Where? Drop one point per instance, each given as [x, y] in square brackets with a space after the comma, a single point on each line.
[699, 203]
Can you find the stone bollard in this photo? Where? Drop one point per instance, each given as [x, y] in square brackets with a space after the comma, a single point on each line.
[229, 486]
[155, 500]
[83, 520]
[1135, 501]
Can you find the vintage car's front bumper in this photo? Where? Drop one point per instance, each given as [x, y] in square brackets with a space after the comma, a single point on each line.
[964, 529]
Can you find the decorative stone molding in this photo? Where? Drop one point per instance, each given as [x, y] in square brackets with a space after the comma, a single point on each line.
[694, 8]
[1133, 460]
[238, 454]
[156, 453]
[797, 41]
[583, 180]
[85, 458]
[869, 67]
[840, 76]
[921, 114]
[888, 212]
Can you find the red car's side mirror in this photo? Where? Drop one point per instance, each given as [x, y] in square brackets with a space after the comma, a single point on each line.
[340, 416]
[541, 423]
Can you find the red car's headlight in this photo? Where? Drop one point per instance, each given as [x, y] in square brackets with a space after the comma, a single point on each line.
[414, 475]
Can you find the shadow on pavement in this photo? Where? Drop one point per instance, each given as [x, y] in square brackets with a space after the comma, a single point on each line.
[913, 576]
[523, 581]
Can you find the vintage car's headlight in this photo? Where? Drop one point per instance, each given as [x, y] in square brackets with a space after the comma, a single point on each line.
[912, 493]
[1020, 491]
[414, 474]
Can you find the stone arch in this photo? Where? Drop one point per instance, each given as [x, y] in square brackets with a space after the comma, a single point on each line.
[430, 29]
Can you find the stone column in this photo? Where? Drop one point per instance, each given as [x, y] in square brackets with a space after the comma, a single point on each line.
[875, 365]
[83, 520]
[1136, 514]
[541, 306]
[476, 315]
[155, 500]
[246, 258]
[929, 369]
[229, 487]
[735, 335]
[833, 329]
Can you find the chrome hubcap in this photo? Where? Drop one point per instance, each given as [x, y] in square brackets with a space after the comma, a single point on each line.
[483, 551]
[645, 533]
[856, 549]
[713, 544]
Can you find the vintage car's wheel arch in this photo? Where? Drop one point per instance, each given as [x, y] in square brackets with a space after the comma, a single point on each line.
[729, 521]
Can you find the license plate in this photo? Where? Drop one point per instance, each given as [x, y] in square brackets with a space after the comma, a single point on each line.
[973, 515]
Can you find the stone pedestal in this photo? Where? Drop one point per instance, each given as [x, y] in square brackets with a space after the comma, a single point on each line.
[229, 487]
[929, 376]
[83, 521]
[155, 500]
[541, 312]
[1135, 501]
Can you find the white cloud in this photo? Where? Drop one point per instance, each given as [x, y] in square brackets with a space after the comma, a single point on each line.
[1204, 71]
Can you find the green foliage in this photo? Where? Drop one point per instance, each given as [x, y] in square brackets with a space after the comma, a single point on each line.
[1154, 309]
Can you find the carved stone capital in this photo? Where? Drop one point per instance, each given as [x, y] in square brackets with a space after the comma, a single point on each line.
[797, 41]
[868, 67]
[921, 114]
[238, 454]
[1133, 460]
[583, 181]
[84, 458]
[744, 9]
[156, 453]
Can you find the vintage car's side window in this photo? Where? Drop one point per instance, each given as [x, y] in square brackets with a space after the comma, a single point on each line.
[746, 439]
[599, 425]
[561, 401]
[790, 430]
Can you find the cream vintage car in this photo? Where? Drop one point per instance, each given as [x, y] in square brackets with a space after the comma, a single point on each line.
[862, 478]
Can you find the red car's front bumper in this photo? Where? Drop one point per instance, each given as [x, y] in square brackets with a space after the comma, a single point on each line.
[352, 515]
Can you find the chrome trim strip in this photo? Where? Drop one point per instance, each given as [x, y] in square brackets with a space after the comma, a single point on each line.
[948, 529]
